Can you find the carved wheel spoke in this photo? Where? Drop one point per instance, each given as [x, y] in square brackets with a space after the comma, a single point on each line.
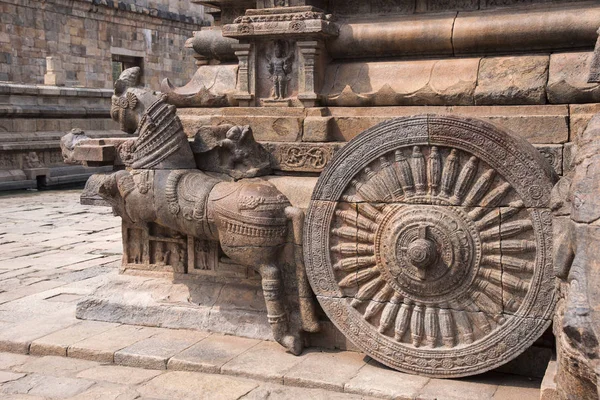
[432, 247]
[434, 253]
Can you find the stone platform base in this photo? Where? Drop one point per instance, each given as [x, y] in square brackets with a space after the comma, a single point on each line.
[47, 178]
[228, 308]
[238, 309]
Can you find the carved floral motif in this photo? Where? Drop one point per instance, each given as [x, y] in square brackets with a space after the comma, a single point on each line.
[248, 19]
[303, 157]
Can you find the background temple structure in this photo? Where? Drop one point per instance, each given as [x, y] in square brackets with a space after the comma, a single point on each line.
[58, 62]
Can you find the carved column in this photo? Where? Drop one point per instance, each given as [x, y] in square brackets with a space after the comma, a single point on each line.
[246, 74]
[310, 52]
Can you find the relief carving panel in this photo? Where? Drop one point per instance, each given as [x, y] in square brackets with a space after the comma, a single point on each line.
[301, 157]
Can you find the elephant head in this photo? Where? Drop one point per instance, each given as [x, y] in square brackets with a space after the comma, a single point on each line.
[130, 100]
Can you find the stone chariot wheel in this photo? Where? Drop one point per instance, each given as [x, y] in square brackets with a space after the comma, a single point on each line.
[428, 244]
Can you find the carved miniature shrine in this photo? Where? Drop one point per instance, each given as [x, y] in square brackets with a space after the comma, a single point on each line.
[422, 140]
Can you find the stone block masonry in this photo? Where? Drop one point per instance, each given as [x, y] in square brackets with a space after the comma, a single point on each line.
[33, 118]
[85, 35]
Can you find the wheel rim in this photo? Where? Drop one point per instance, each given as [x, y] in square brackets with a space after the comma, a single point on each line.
[428, 242]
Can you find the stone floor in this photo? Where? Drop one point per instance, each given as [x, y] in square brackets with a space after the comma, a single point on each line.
[53, 251]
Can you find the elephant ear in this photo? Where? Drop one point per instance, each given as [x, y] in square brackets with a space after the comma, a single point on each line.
[132, 100]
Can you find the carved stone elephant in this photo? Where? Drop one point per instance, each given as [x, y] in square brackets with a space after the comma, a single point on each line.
[250, 218]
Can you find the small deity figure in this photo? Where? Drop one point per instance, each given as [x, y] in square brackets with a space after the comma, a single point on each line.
[32, 160]
[280, 66]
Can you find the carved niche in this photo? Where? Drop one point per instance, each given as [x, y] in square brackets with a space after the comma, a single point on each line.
[153, 247]
[428, 243]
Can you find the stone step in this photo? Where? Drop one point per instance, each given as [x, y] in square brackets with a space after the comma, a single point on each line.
[188, 352]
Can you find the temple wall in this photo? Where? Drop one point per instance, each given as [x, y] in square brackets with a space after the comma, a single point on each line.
[58, 58]
[353, 7]
[33, 118]
[86, 35]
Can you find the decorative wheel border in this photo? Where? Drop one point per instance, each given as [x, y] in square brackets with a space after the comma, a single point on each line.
[511, 157]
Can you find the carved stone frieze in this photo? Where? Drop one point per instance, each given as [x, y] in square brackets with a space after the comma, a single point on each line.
[246, 19]
[428, 243]
[301, 157]
[68, 143]
[231, 150]
[279, 66]
[154, 248]
[277, 21]
[32, 160]
[211, 86]
[554, 155]
[594, 75]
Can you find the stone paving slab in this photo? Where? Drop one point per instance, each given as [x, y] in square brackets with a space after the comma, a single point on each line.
[186, 385]
[458, 389]
[108, 391]
[46, 386]
[36, 229]
[264, 361]
[280, 392]
[58, 342]
[519, 389]
[9, 376]
[102, 347]
[119, 374]
[210, 354]
[156, 351]
[28, 290]
[55, 366]
[18, 338]
[379, 381]
[10, 360]
[326, 370]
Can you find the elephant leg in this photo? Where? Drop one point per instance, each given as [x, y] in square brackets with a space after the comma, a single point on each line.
[276, 313]
[310, 321]
[308, 315]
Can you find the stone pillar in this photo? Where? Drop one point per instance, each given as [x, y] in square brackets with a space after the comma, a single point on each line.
[310, 53]
[246, 74]
[54, 73]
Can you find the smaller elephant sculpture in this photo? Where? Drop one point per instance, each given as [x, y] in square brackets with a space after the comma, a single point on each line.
[161, 184]
[68, 143]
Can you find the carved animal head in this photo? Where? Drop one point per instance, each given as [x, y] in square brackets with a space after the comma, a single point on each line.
[130, 101]
[68, 143]
[238, 133]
